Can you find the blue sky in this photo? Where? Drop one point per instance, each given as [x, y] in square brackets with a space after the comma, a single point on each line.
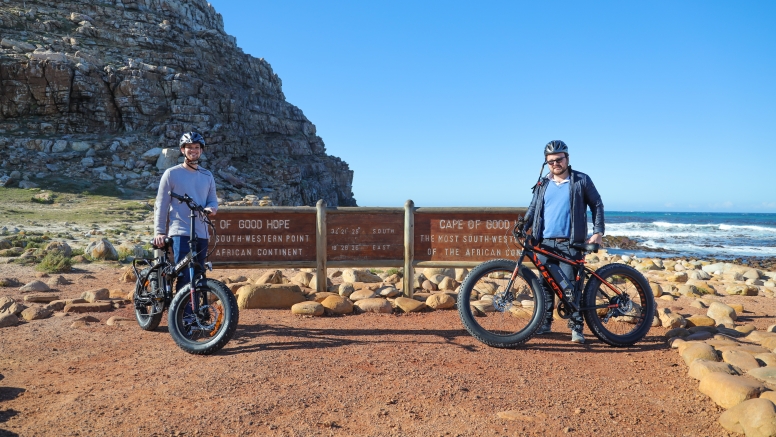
[668, 106]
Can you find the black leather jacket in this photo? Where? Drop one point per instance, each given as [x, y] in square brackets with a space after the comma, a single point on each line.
[583, 194]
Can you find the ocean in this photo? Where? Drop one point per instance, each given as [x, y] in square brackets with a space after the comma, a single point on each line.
[697, 234]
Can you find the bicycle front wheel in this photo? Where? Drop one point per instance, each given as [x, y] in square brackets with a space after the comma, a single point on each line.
[633, 306]
[208, 329]
[498, 316]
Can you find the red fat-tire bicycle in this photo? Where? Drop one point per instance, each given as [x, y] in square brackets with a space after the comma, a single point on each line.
[506, 303]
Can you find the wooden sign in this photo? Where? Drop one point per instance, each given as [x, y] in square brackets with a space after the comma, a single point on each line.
[365, 236]
[250, 236]
[465, 236]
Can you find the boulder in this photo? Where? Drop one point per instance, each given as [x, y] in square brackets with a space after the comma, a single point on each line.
[721, 313]
[443, 271]
[269, 296]
[742, 290]
[314, 283]
[700, 368]
[767, 375]
[95, 295]
[440, 301]
[7, 320]
[766, 359]
[740, 359]
[389, 292]
[671, 320]
[680, 277]
[754, 418]
[429, 286]
[362, 294]
[698, 351]
[698, 320]
[338, 304]
[374, 305]
[447, 284]
[35, 285]
[167, 158]
[270, 277]
[35, 313]
[101, 250]
[314, 309]
[355, 275]
[409, 305]
[657, 290]
[59, 247]
[303, 278]
[346, 289]
[727, 391]
[41, 298]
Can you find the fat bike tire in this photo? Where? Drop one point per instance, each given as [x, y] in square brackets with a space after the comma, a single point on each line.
[493, 316]
[619, 330]
[213, 328]
[148, 316]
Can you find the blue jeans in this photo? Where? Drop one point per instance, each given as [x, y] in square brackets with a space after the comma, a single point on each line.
[563, 249]
[180, 248]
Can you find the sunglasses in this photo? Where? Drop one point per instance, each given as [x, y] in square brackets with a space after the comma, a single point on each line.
[555, 161]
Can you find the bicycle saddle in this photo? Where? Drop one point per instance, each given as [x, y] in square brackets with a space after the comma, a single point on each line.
[587, 247]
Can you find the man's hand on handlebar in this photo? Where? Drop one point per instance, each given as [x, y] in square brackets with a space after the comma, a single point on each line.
[596, 239]
[159, 240]
[210, 212]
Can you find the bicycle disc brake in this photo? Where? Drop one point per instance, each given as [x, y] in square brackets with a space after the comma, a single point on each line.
[502, 302]
[624, 306]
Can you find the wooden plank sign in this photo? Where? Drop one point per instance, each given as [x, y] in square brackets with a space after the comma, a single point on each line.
[465, 236]
[248, 236]
[364, 236]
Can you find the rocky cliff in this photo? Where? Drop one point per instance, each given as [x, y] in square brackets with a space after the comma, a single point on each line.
[99, 91]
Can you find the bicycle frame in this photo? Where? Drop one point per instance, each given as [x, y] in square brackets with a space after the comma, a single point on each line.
[581, 272]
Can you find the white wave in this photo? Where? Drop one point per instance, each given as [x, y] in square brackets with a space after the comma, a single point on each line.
[766, 229]
[734, 251]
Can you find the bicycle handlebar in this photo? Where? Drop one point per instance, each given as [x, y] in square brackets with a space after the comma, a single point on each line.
[188, 201]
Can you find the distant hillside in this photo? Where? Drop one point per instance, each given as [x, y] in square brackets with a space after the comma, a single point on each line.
[91, 91]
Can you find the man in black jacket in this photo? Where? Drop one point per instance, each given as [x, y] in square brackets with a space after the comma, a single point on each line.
[558, 217]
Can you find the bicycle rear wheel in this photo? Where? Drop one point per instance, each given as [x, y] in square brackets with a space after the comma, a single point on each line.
[149, 300]
[208, 330]
[630, 322]
[494, 315]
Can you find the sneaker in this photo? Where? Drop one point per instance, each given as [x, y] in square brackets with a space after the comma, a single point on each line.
[546, 328]
[577, 337]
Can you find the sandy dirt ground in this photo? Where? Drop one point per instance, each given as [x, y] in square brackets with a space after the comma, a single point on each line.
[359, 375]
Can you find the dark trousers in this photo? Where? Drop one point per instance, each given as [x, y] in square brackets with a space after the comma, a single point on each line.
[563, 249]
[180, 248]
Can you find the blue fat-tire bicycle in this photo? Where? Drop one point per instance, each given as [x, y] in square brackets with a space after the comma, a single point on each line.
[507, 304]
[203, 314]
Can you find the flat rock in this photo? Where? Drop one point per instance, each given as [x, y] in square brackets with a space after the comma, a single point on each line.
[337, 304]
[409, 305]
[34, 286]
[727, 391]
[346, 289]
[374, 305]
[307, 309]
[440, 301]
[700, 368]
[36, 313]
[677, 332]
[355, 275]
[740, 359]
[271, 277]
[120, 321]
[322, 295]
[767, 375]
[700, 335]
[742, 290]
[754, 418]
[389, 292]
[41, 298]
[269, 296]
[89, 307]
[699, 320]
[721, 313]
[766, 359]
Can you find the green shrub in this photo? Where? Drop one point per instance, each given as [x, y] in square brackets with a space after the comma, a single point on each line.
[393, 271]
[375, 271]
[76, 252]
[54, 263]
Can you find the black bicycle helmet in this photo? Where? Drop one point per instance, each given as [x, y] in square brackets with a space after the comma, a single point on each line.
[556, 146]
[191, 137]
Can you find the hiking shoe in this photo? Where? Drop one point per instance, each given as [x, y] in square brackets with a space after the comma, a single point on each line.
[546, 328]
[577, 337]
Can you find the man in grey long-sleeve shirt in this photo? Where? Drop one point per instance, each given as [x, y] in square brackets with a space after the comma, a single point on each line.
[172, 218]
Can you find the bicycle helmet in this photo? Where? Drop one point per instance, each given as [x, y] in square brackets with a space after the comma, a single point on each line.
[191, 137]
[556, 146]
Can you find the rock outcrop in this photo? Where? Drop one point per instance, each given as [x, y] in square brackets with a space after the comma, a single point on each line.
[99, 91]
